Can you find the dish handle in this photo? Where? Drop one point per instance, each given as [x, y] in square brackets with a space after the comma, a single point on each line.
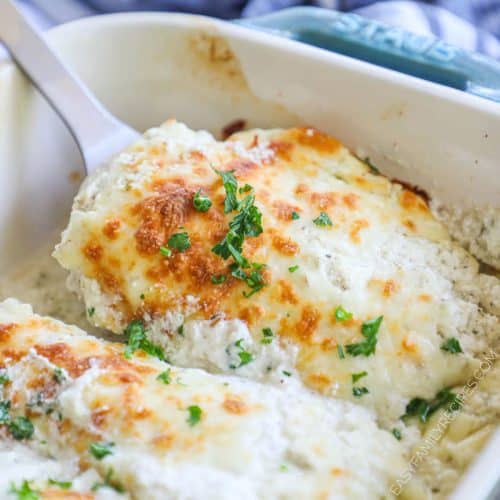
[391, 47]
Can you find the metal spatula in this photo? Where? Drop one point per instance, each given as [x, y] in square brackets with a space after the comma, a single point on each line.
[98, 134]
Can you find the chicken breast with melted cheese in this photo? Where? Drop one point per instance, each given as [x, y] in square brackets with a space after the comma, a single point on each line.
[159, 432]
[277, 252]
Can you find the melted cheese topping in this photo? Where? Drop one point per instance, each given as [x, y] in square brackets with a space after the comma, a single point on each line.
[384, 254]
[251, 440]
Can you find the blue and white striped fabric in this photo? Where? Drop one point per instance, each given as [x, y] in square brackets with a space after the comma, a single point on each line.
[471, 24]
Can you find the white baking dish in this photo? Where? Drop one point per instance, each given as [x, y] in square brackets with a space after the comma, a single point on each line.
[147, 67]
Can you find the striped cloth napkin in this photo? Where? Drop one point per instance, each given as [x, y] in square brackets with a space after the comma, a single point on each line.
[473, 24]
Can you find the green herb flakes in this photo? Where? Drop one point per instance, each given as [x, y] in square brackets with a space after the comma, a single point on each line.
[4, 412]
[64, 485]
[245, 189]
[267, 336]
[166, 252]
[246, 223]
[451, 345]
[59, 376]
[201, 203]
[244, 356]
[136, 339]
[358, 376]
[195, 414]
[101, 450]
[359, 391]
[164, 377]
[230, 185]
[292, 269]
[295, 216]
[341, 314]
[423, 409]
[340, 351]
[369, 330]
[21, 428]
[218, 279]
[179, 241]
[322, 220]
[253, 279]
[24, 492]
[396, 433]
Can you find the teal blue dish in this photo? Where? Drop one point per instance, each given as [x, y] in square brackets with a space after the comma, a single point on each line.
[391, 47]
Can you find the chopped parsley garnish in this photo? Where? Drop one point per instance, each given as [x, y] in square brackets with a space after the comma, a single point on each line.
[231, 246]
[152, 349]
[231, 186]
[373, 168]
[322, 220]
[396, 433]
[4, 378]
[201, 203]
[4, 412]
[369, 330]
[59, 376]
[340, 351]
[91, 311]
[341, 314]
[136, 339]
[164, 377]
[108, 484]
[179, 241]
[135, 335]
[247, 222]
[195, 414]
[24, 492]
[359, 391]
[423, 409]
[283, 468]
[357, 376]
[142, 296]
[267, 336]
[21, 428]
[166, 252]
[253, 279]
[218, 279]
[288, 374]
[256, 289]
[244, 355]
[180, 330]
[245, 189]
[451, 345]
[292, 269]
[101, 450]
[64, 485]
[295, 215]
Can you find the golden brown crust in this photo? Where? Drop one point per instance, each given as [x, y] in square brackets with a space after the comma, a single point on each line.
[234, 405]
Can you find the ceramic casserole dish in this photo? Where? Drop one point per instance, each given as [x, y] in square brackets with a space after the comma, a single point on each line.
[206, 73]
